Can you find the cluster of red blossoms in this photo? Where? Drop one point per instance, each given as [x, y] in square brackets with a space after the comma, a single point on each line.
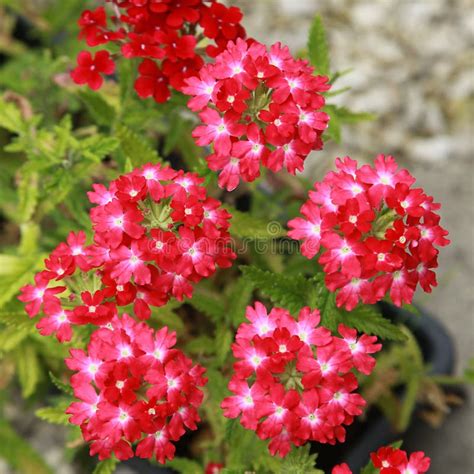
[164, 34]
[294, 381]
[133, 387]
[376, 233]
[257, 107]
[389, 460]
[156, 233]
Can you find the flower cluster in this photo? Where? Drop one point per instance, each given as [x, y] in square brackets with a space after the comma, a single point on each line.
[375, 233]
[156, 233]
[389, 460]
[133, 387]
[294, 381]
[163, 34]
[257, 106]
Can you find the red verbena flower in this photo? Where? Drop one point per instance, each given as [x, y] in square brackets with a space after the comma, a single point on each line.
[155, 234]
[90, 68]
[133, 387]
[374, 233]
[293, 380]
[389, 460]
[164, 33]
[258, 107]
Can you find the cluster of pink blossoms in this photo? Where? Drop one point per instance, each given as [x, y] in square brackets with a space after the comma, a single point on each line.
[294, 381]
[133, 387]
[376, 234]
[388, 460]
[257, 107]
[164, 34]
[156, 233]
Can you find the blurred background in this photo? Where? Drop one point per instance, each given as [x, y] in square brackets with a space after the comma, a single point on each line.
[411, 65]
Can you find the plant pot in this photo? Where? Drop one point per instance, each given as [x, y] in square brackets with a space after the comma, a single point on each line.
[364, 437]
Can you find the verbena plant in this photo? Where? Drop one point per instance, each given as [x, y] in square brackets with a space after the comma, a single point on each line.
[145, 220]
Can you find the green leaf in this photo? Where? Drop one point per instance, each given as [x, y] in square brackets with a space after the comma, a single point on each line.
[300, 461]
[99, 109]
[216, 390]
[340, 116]
[11, 118]
[318, 47]
[325, 301]
[248, 453]
[64, 387]
[185, 466]
[167, 317]
[54, 415]
[98, 147]
[208, 303]
[136, 147]
[201, 345]
[414, 367]
[16, 319]
[243, 225]
[19, 454]
[28, 368]
[469, 371]
[106, 467]
[30, 234]
[367, 319]
[223, 340]
[287, 291]
[28, 196]
[239, 298]
[12, 336]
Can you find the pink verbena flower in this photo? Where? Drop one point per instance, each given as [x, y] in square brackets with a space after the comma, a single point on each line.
[374, 234]
[258, 107]
[155, 234]
[293, 380]
[134, 389]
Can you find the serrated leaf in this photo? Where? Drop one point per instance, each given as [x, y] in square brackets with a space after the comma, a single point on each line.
[64, 387]
[208, 304]
[99, 109]
[200, 345]
[344, 115]
[19, 454]
[367, 319]
[136, 147]
[54, 415]
[98, 147]
[289, 292]
[300, 461]
[17, 319]
[27, 196]
[238, 300]
[223, 341]
[167, 317]
[318, 47]
[325, 301]
[28, 368]
[243, 225]
[106, 467]
[185, 466]
[12, 336]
